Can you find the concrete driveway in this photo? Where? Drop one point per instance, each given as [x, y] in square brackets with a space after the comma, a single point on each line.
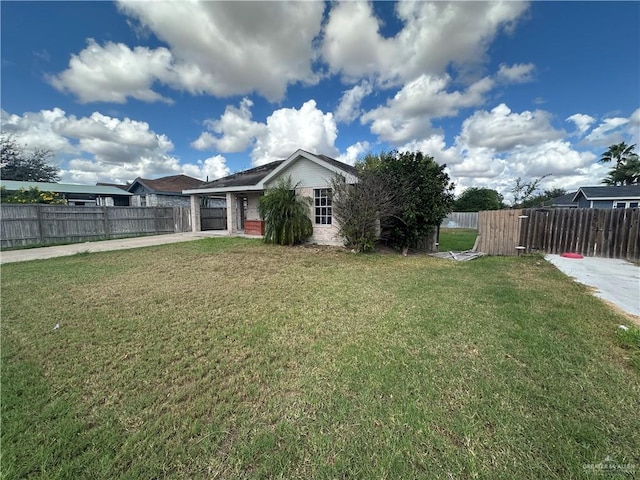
[616, 281]
[102, 246]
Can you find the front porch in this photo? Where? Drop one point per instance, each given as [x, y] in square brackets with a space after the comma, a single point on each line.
[242, 214]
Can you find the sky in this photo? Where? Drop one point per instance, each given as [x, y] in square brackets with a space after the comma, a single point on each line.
[496, 91]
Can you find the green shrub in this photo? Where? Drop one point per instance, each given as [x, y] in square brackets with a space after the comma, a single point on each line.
[285, 215]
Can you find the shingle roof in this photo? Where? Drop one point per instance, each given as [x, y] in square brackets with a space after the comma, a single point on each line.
[117, 185]
[13, 185]
[566, 199]
[171, 184]
[336, 163]
[245, 178]
[624, 191]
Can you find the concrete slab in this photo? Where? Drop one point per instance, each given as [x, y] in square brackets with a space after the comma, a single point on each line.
[616, 281]
[102, 246]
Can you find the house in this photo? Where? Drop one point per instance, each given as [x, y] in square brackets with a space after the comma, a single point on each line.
[626, 196]
[162, 192]
[312, 175]
[563, 201]
[77, 195]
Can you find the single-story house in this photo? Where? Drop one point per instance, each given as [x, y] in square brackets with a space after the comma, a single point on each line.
[312, 174]
[162, 192]
[626, 196]
[563, 201]
[91, 195]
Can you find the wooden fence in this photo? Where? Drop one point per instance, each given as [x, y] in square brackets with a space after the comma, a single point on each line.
[611, 233]
[461, 220]
[213, 218]
[24, 225]
[499, 232]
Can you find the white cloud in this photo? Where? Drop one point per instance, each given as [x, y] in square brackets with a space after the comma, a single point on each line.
[104, 148]
[517, 73]
[210, 168]
[113, 72]
[608, 132]
[583, 122]
[436, 147]
[229, 48]
[289, 129]
[354, 152]
[409, 113]
[35, 129]
[634, 127]
[435, 35]
[285, 131]
[349, 108]
[502, 130]
[235, 127]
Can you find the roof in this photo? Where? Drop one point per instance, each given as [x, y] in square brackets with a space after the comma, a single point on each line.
[14, 185]
[566, 199]
[117, 185]
[256, 178]
[172, 184]
[246, 177]
[609, 193]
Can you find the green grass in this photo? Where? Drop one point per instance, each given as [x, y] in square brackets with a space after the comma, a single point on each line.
[457, 239]
[225, 358]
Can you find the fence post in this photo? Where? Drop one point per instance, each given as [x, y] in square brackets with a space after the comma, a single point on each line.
[105, 222]
[40, 225]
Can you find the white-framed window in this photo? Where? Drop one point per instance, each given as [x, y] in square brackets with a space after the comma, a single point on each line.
[629, 204]
[322, 206]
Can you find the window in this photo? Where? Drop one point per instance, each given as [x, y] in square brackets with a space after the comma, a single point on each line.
[621, 205]
[625, 204]
[633, 204]
[322, 206]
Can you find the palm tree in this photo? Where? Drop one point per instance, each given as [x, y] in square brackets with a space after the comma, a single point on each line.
[285, 215]
[627, 168]
[618, 152]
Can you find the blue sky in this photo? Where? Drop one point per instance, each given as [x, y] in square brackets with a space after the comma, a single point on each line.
[494, 90]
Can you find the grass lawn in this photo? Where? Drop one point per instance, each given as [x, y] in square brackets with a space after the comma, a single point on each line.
[457, 239]
[225, 358]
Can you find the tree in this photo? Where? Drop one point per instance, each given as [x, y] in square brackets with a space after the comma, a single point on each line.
[476, 199]
[17, 163]
[362, 209]
[627, 168]
[285, 215]
[523, 192]
[31, 195]
[424, 195]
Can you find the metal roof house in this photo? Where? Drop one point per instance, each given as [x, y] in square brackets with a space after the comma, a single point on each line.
[312, 174]
[77, 195]
[626, 196]
[162, 192]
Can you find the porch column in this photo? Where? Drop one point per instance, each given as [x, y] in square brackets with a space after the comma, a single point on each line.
[231, 213]
[195, 213]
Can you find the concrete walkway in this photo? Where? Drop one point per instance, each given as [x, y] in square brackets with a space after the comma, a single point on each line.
[104, 246]
[616, 281]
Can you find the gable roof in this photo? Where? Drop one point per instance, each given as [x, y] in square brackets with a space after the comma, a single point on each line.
[562, 200]
[609, 193]
[14, 185]
[174, 184]
[117, 185]
[256, 178]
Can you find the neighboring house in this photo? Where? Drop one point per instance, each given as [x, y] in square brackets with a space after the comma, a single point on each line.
[563, 201]
[162, 192]
[91, 195]
[627, 196]
[311, 174]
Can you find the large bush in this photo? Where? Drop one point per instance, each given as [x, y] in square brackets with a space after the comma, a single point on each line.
[285, 215]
